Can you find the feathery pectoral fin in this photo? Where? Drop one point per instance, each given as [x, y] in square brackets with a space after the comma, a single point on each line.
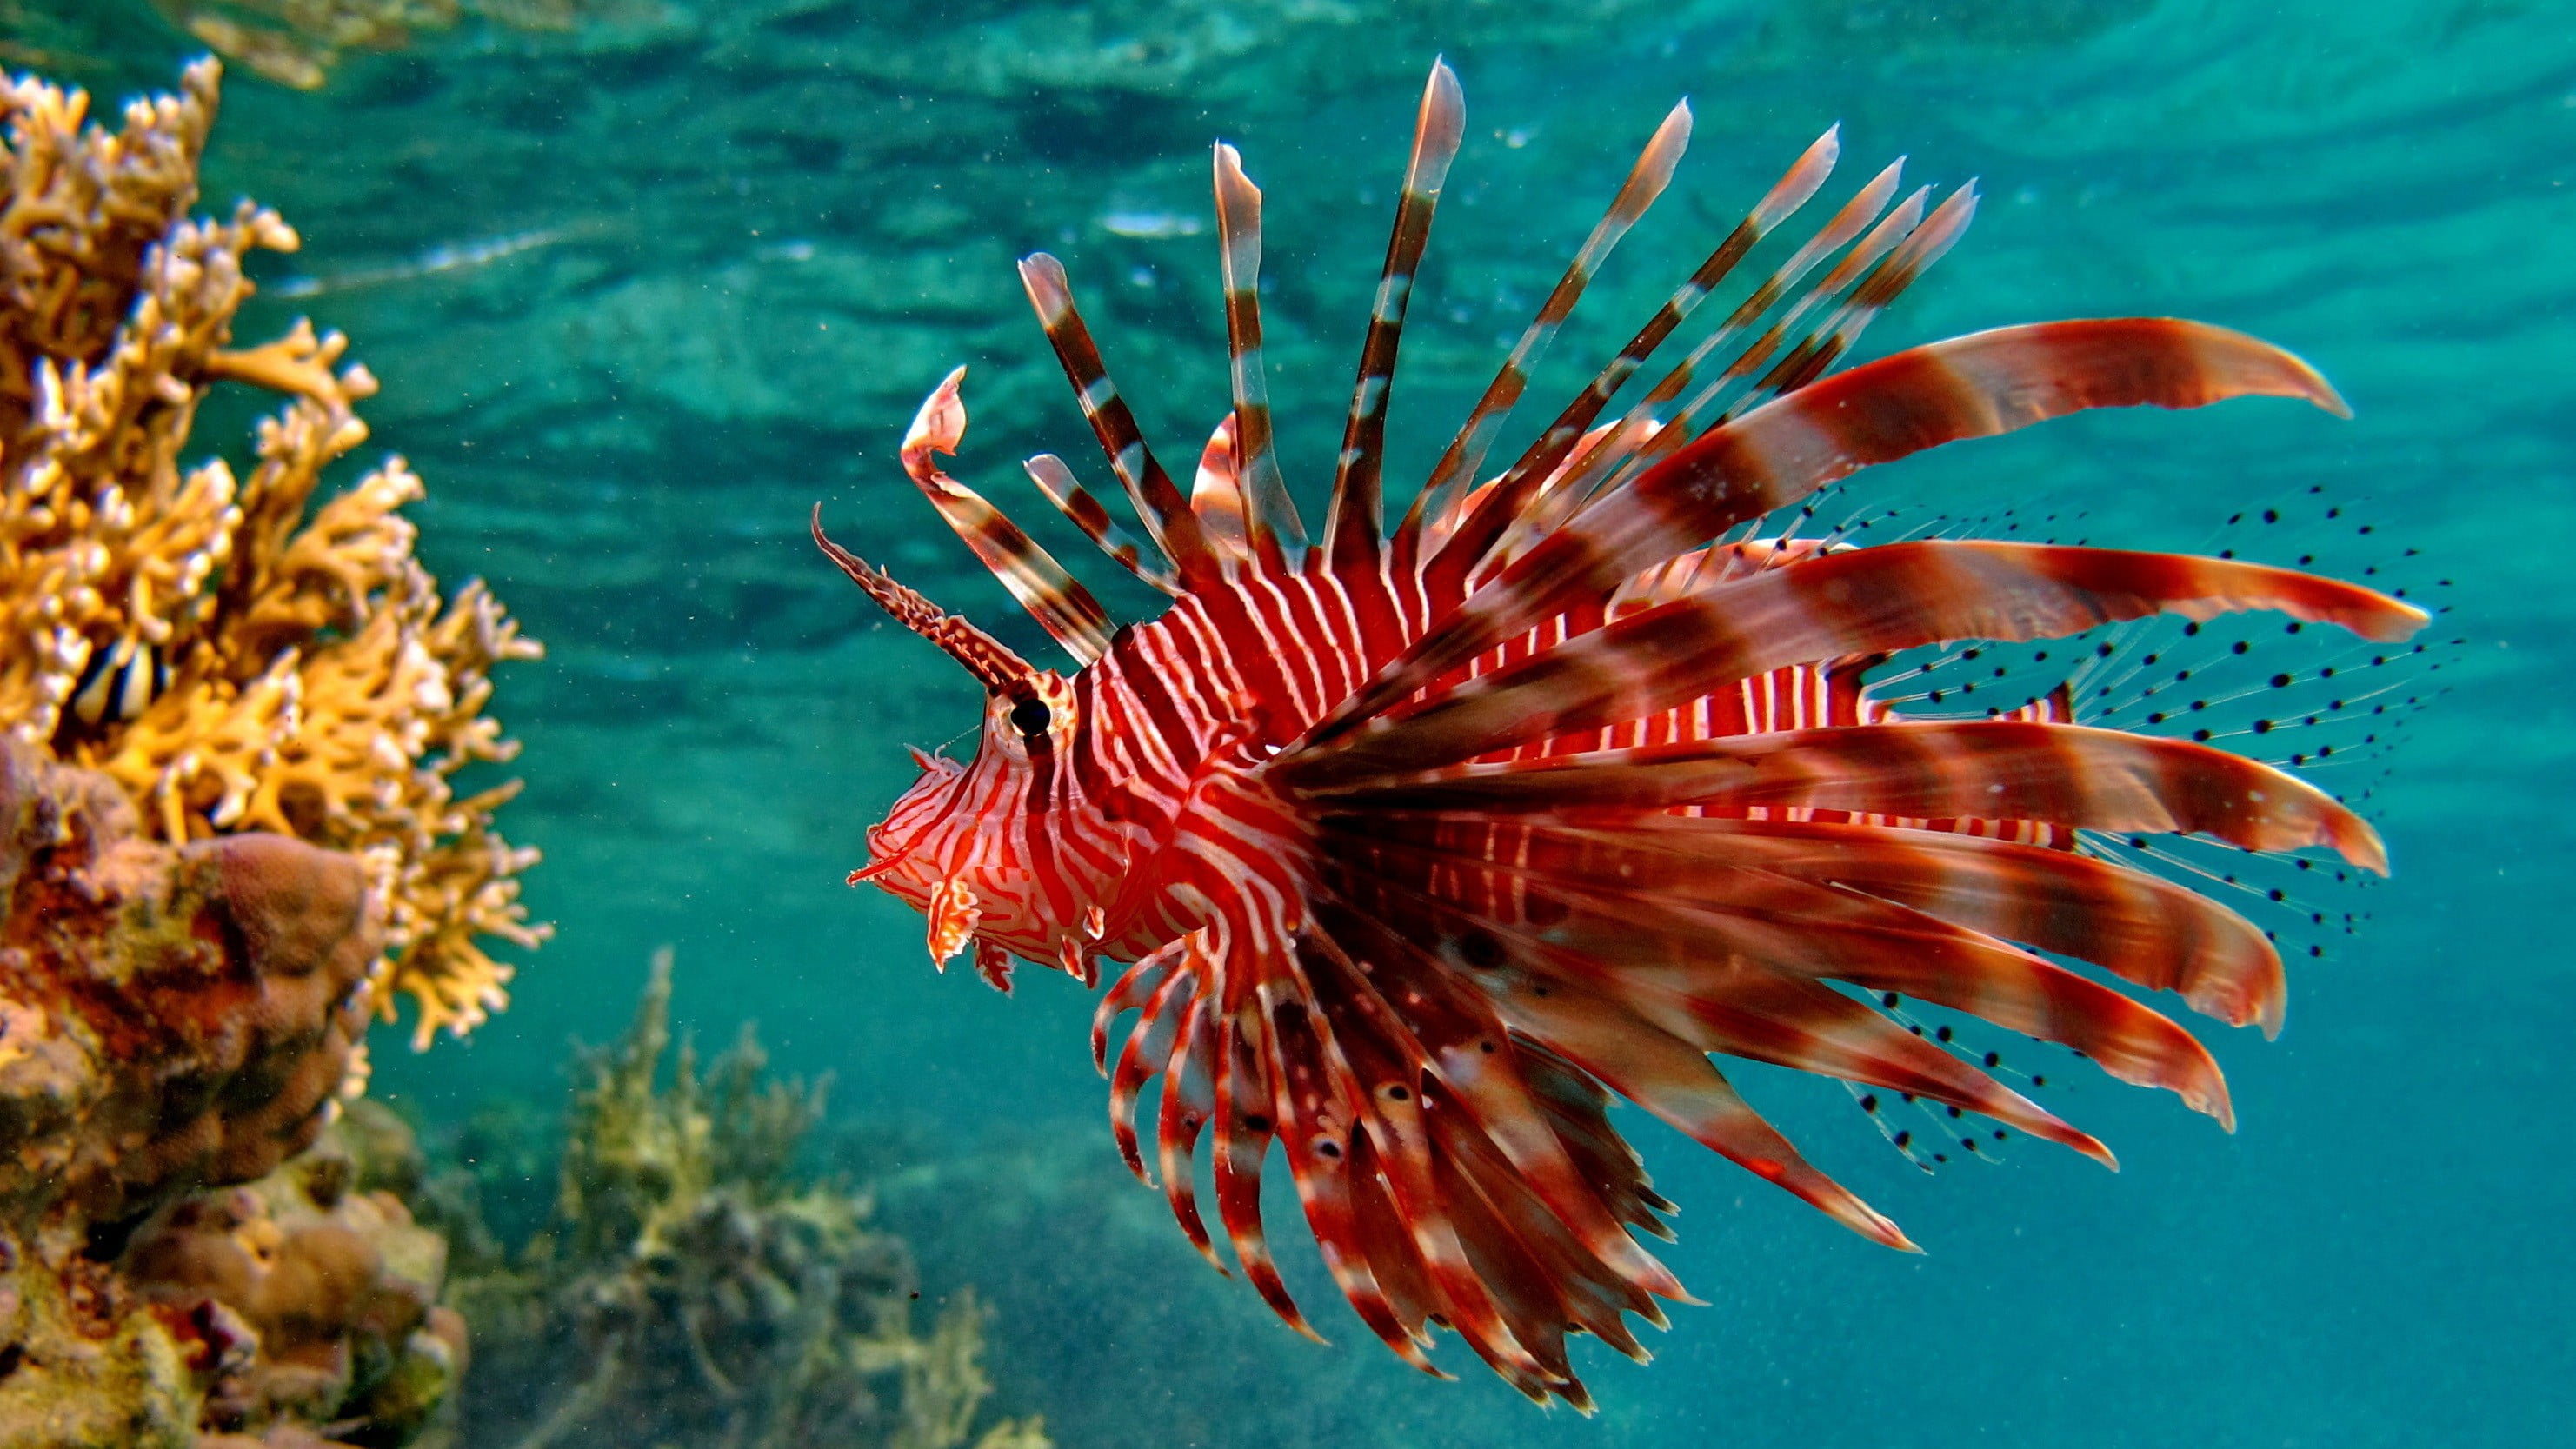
[1442, 1186]
[2070, 775]
[1677, 1083]
[1973, 386]
[2142, 928]
[1720, 981]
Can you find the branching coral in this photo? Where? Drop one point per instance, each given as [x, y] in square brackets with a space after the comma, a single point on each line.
[238, 658]
[708, 1293]
[83, 206]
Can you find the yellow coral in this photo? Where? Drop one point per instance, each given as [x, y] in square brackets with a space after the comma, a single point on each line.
[296, 42]
[83, 205]
[236, 657]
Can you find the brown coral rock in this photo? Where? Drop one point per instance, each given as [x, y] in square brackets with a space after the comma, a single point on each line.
[169, 1016]
[172, 1016]
[334, 1285]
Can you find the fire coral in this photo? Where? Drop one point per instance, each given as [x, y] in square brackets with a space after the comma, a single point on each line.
[235, 657]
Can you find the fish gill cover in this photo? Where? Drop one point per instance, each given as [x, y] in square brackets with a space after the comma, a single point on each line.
[641, 290]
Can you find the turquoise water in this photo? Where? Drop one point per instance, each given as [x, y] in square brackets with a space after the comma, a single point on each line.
[726, 247]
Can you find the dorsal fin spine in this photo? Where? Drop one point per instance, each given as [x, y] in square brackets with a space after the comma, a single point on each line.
[1270, 516]
[1353, 524]
[1457, 467]
[1158, 503]
[1516, 489]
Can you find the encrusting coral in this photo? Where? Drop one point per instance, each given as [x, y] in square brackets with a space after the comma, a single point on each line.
[692, 1288]
[327, 1287]
[170, 1016]
[235, 663]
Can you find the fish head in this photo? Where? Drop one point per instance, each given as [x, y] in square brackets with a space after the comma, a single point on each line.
[956, 845]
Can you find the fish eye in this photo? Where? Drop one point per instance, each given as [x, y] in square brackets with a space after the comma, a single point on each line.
[1030, 717]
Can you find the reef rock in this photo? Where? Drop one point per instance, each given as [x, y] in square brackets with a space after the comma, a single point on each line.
[334, 1282]
[170, 1016]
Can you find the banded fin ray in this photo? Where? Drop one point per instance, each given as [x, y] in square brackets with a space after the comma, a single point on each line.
[1674, 413]
[1611, 449]
[1239, 1141]
[1278, 535]
[1067, 610]
[1315, 1093]
[1054, 479]
[1914, 255]
[1518, 483]
[1158, 503]
[1466, 452]
[1352, 524]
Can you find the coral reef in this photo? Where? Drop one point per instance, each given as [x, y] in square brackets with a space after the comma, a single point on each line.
[230, 723]
[234, 663]
[296, 42]
[328, 1287]
[170, 1016]
[708, 1292]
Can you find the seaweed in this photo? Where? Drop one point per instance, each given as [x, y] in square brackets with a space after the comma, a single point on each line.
[702, 1287]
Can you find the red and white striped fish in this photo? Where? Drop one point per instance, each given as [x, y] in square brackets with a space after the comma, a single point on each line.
[1420, 845]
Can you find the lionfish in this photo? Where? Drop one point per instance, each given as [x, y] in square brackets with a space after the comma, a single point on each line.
[1420, 845]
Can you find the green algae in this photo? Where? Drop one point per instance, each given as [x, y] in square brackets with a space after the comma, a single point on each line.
[695, 1286]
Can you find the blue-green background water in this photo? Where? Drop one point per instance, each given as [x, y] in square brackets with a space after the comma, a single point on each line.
[768, 226]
